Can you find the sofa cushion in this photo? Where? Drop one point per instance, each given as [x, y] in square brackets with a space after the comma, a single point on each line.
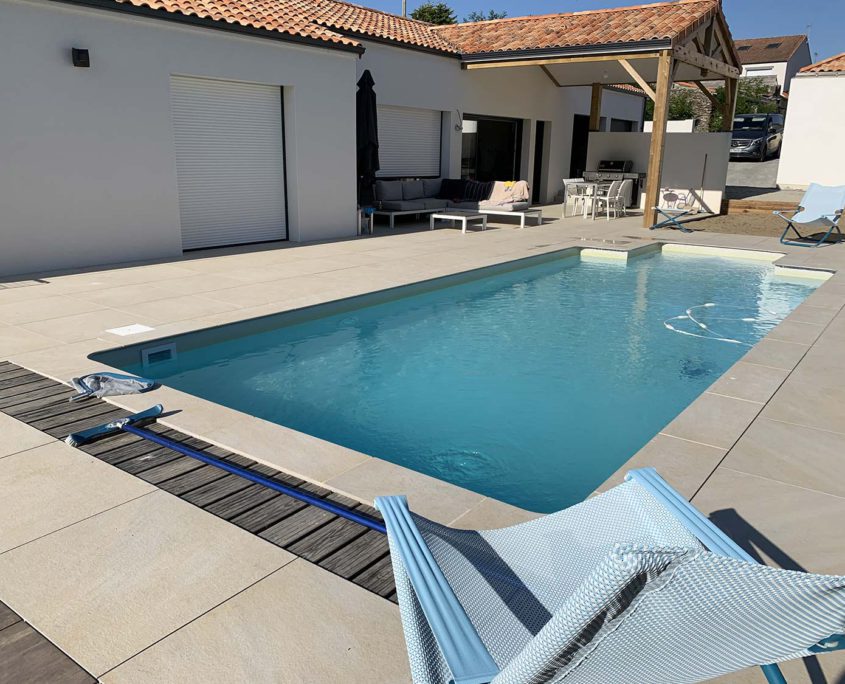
[388, 190]
[412, 190]
[403, 205]
[477, 191]
[431, 187]
[434, 203]
[514, 206]
[452, 189]
[463, 204]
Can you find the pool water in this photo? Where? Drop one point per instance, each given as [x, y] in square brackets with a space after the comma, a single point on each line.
[531, 386]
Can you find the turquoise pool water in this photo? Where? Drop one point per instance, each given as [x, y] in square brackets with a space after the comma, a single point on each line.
[531, 386]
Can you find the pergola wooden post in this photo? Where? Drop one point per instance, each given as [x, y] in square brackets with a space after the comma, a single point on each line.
[729, 106]
[658, 137]
[595, 108]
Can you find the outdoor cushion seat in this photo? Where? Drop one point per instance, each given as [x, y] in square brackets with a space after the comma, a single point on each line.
[433, 203]
[466, 206]
[412, 190]
[431, 186]
[403, 205]
[515, 206]
[388, 190]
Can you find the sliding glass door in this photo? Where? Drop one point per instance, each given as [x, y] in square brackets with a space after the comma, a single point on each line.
[490, 148]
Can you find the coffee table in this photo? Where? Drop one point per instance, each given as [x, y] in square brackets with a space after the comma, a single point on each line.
[463, 216]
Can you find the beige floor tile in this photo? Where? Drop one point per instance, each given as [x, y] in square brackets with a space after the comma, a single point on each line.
[809, 404]
[15, 340]
[85, 326]
[714, 420]
[294, 452]
[177, 308]
[54, 485]
[749, 381]
[791, 527]
[793, 331]
[43, 309]
[123, 295]
[811, 314]
[433, 498]
[301, 624]
[491, 514]
[797, 455]
[107, 587]
[16, 436]
[776, 354]
[823, 669]
[197, 284]
[684, 465]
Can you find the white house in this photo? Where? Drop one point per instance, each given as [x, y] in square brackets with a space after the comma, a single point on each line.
[780, 57]
[137, 129]
[813, 140]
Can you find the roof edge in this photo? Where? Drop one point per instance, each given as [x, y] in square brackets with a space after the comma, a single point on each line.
[571, 51]
[391, 42]
[203, 22]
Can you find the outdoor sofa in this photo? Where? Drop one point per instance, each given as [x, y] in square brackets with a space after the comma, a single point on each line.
[430, 195]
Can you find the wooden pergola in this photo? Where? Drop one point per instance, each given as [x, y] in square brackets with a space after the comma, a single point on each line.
[702, 53]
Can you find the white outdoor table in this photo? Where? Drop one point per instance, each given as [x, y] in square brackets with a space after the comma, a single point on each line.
[463, 217]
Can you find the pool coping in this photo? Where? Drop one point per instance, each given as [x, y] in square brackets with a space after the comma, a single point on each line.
[359, 475]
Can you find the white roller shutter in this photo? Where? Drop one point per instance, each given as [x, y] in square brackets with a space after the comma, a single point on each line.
[409, 141]
[229, 161]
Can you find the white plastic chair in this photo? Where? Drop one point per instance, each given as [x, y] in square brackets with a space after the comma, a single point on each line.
[613, 201]
[574, 193]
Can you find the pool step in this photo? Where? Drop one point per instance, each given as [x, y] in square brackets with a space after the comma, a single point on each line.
[340, 546]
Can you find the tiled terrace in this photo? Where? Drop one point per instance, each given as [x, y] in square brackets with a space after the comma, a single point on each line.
[136, 585]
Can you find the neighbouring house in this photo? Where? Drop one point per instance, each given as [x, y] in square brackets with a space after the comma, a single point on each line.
[813, 139]
[775, 59]
[139, 129]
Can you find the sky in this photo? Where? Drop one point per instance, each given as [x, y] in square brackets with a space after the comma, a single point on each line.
[747, 18]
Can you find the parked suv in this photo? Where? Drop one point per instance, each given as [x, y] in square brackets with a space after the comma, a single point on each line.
[757, 136]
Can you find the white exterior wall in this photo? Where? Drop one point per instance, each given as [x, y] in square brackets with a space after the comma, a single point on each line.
[87, 161]
[411, 78]
[777, 69]
[691, 161]
[813, 142]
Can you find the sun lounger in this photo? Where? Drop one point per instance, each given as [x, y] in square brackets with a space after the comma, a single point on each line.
[633, 585]
[821, 208]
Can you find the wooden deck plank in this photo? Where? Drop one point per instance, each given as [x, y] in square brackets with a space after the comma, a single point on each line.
[9, 383]
[182, 484]
[64, 412]
[297, 526]
[378, 578]
[178, 466]
[36, 399]
[147, 461]
[60, 429]
[327, 539]
[241, 502]
[357, 555]
[26, 656]
[7, 616]
[15, 372]
[268, 514]
[217, 490]
[34, 390]
[123, 451]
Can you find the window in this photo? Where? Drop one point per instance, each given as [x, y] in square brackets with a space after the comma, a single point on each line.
[743, 48]
[773, 46]
[409, 142]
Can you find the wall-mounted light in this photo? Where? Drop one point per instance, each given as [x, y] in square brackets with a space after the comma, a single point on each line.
[80, 57]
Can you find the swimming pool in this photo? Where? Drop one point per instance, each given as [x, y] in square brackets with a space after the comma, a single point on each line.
[530, 383]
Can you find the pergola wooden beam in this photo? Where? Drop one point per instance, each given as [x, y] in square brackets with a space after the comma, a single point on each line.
[550, 75]
[689, 55]
[558, 60]
[710, 96]
[729, 107]
[641, 82]
[658, 138]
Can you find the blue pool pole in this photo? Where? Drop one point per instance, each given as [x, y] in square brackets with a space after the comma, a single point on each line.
[292, 492]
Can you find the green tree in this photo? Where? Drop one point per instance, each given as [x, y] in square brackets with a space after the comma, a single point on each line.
[480, 16]
[681, 106]
[439, 13]
[753, 96]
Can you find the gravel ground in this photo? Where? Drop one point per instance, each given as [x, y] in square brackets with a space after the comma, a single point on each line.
[741, 224]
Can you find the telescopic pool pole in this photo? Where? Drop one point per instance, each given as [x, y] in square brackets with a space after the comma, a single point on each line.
[131, 424]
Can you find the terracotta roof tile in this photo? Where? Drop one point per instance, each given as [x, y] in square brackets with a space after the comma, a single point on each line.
[826, 66]
[765, 50]
[664, 20]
